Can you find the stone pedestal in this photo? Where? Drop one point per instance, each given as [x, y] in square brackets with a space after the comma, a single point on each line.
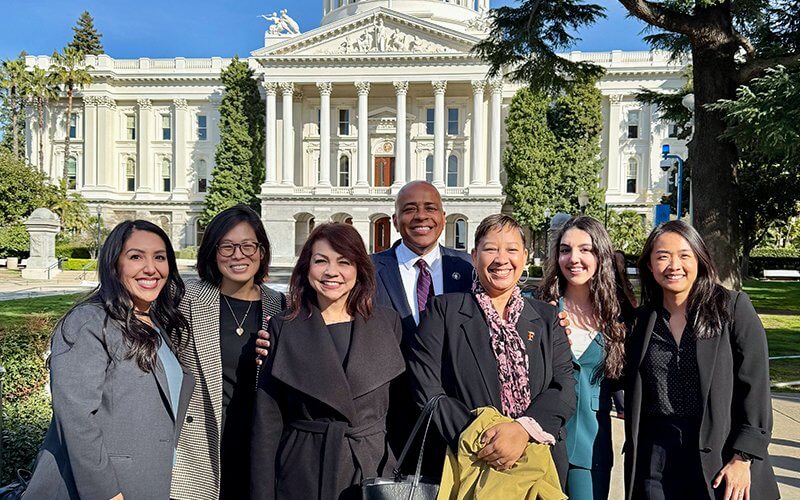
[43, 226]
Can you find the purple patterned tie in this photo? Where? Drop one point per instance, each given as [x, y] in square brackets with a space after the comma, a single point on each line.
[424, 285]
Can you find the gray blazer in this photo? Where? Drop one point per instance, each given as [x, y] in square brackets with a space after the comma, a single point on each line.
[113, 428]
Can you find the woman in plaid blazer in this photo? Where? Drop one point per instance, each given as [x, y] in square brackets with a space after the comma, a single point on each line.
[225, 309]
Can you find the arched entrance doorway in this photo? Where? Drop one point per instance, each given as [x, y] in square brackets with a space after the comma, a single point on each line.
[381, 234]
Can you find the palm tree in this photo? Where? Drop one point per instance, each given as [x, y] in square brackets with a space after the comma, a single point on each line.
[70, 70]
[41, 89]
[13, 81]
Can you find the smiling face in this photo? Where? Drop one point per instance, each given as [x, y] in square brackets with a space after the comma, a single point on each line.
[143, 267]
[576, 258]
[238, 269]
[674, 265]
[331, 275]
[419, 217]
[499, 259]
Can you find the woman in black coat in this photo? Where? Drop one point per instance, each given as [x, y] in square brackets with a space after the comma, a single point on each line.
[492, 347]
[698, 414]
[323, 395]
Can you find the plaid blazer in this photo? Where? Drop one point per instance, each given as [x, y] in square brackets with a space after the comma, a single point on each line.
[196, 474]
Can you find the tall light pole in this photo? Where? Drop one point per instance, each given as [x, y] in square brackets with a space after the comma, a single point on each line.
[688, 103]
[679, 177]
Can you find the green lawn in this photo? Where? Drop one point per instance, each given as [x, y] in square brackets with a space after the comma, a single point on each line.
[775, 295]
[14, 312]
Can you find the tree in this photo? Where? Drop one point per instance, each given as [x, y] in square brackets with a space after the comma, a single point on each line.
[254, 112]
[627, 231]
[13, 81]
[41, 89]
[70, 70]
[552, 152]
[232, 175]
[730, 41]
[86, 38]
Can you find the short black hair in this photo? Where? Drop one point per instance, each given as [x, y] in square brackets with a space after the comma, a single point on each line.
[217, 229]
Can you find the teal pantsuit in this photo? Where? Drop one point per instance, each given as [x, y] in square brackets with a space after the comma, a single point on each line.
[589, 430]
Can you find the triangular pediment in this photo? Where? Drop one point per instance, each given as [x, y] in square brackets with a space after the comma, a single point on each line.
[374, 33]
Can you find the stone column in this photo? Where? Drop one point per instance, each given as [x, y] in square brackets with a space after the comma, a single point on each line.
[494, 133]
[287, 88]
[614, 168]
[325, 89]
[439, 88]
[363, 133]
[271, 122]
[143, 137]
[107, 167]
[297, 112]
[42, 226]
[90, 141]
[400, 146]
[181, 161]
[477, 166]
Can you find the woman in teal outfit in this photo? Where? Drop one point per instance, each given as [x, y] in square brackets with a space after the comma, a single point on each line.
[580, 276]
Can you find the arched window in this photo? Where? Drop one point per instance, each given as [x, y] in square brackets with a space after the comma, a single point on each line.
[452, 171]
[633, 172]
[130, 174]
[199, 231]
[429, 168]
[166, 174]
[202, 176]
[461, 234]
[344, 171]
[72, 172]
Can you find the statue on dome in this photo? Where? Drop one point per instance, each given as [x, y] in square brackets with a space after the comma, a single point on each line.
[291, 26]
[277, 26]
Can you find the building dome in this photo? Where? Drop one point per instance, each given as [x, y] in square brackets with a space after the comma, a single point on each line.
[454, 14]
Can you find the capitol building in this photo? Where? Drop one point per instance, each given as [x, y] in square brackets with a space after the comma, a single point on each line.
[383, 92]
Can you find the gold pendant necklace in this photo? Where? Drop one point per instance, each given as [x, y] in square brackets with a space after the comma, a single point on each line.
[239, 329]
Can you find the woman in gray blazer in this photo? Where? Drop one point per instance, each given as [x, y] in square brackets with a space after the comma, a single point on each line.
[119, 393]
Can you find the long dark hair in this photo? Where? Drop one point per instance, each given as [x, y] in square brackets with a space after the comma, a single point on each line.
[346, 241]
[141, 339]
[707, 308]
[602, 289]
[219, 226]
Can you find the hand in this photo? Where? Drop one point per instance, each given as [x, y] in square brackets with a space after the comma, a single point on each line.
[621, 415]
[262, 345]
[736, 474]
[503, 445]
[563, 320]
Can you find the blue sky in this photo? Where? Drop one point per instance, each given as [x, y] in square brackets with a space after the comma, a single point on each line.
[205, 28]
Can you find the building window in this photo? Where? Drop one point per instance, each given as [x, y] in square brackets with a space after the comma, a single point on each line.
[429, 168]
[199, 231]
[202, 176]
[130, 127]
[633, 124]
[633, 172]
[344, 122]
[319, 120]
[452, 171]
[166, 175]
[130, 174]
[452, 121]
[73, 126]
[673, 130]
[202, 127]
[317, 168]
[430, 118]
[166, 128]
[344, 171]
[461, 234]
[72, 169]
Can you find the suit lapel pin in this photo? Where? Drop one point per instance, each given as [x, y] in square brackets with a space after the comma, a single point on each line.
[531, 335]
[456, 276]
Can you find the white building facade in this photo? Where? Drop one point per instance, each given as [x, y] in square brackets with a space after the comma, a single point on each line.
[383, 92]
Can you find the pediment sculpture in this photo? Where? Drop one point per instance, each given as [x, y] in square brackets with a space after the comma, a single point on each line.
[281, 24]
[379, 38]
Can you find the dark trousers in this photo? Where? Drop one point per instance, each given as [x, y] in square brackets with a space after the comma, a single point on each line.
[668, 465]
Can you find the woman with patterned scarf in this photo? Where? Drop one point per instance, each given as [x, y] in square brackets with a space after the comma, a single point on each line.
[492, 347]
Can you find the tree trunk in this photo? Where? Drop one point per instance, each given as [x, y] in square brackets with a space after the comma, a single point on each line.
[66, 139]
[40, 108]
[714, 159]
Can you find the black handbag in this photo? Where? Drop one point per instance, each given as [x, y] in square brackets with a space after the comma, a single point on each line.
[14, 490]
[410, 487]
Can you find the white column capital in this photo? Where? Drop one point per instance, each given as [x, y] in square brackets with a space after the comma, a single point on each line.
[91, 100]
[400, 87]
[180, 104]
[297, 95]
[362, 88]
[478, 86]
[496, 84]
[106, 102]
[615, 98]
[325, 88]
[286, 87]
[439, 86]
[144, 104]
[270, 88]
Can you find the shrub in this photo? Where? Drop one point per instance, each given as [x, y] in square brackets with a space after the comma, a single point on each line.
[78, 265]
[186, 253]
[72, 252]
[776, 253]
[14, 241]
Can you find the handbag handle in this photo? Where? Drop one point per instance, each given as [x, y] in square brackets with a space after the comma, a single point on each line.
[426, 416]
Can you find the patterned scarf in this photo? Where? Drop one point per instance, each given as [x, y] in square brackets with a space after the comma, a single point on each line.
[509, 350]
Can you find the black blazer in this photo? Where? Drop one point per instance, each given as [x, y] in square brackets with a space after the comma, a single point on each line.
[320, 428]
[734, 385]
[451, 354]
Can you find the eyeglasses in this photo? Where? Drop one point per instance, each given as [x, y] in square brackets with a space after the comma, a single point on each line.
[247, 248]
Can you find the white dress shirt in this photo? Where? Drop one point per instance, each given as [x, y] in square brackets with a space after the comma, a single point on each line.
[406, 260]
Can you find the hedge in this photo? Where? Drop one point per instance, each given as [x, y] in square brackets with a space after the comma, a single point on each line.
[73, 252]
[785, 253]
[14, 241]
[78, 265]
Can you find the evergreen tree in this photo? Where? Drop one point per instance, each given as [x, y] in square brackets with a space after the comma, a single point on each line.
[70, 70]
[254, 111]
[232, 178]
[13, 90]
[86, 38]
